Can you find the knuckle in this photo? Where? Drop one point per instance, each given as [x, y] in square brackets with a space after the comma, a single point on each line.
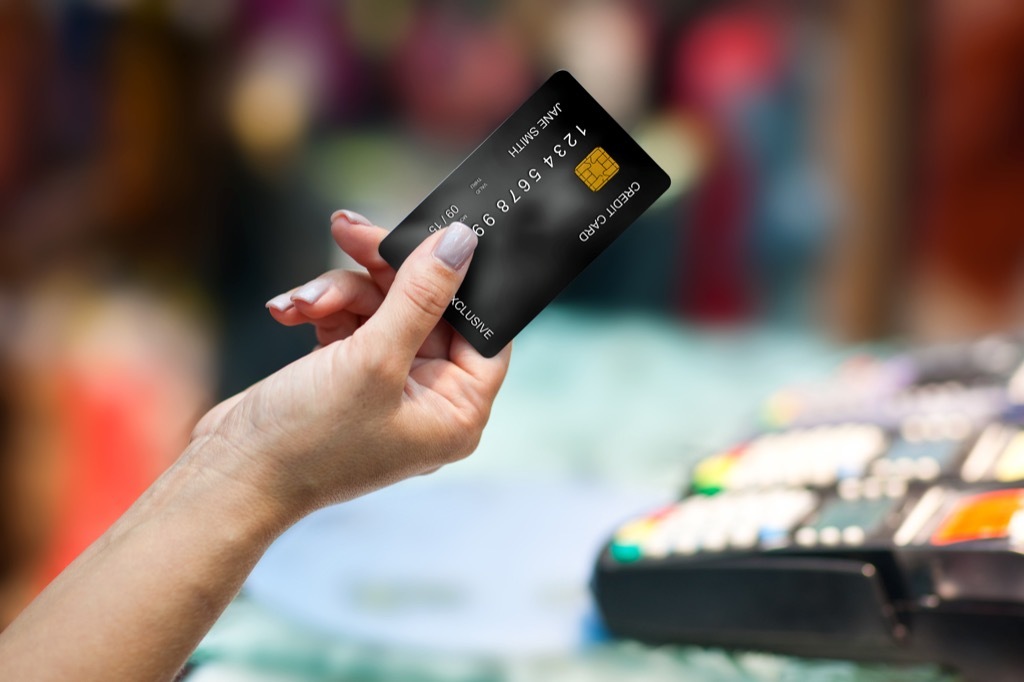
[468, 432]
[333, 279]
[473, 441]
[428, 294]
[340, 278]
[452, 439]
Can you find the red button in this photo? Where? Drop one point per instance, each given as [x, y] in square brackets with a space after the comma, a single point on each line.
[980, 517]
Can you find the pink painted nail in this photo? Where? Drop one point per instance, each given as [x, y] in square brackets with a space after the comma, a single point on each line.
[311, 292]
[351, 216]
[281, 303]
[456, 245]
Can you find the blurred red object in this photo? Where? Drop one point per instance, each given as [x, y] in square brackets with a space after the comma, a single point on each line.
[109, 384]
[726, 58]
[973, 167]
[109, 458]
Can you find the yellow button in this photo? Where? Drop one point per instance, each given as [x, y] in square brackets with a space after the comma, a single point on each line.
[1011, 464]
[635, 531]
[711, 474]
[597, 169]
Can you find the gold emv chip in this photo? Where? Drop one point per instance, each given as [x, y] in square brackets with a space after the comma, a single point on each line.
[597, 169]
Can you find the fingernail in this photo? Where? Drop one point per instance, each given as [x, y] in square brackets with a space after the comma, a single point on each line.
[351, 216]
[456, 246]
[311, 292]
[281, 303]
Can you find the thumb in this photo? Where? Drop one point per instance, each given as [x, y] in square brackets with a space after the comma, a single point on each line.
[423, 288]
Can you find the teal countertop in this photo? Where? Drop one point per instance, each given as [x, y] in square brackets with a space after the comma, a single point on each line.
[480, 571]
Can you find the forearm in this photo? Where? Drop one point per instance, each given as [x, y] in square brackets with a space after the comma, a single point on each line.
[390, 394]
[137, 602]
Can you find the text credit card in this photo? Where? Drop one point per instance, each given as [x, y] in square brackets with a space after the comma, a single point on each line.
[547, 192]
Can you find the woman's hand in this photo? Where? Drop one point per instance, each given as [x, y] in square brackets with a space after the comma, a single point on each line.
[340, 301]
[390, 392]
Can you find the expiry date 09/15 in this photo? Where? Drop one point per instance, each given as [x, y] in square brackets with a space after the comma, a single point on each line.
[515, 193]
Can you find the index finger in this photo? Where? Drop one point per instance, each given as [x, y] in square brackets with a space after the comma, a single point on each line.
[489, 373]
[360, 241]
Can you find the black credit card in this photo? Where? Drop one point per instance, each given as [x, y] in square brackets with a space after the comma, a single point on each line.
[547, 192]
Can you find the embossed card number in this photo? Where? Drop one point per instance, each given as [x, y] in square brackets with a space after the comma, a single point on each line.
[546, 193]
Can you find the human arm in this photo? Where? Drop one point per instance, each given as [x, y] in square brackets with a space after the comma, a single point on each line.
[390, 394]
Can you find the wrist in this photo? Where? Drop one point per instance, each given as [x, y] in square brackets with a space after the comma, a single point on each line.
[208, 477]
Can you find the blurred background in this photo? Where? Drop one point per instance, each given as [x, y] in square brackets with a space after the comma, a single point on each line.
[845, 172]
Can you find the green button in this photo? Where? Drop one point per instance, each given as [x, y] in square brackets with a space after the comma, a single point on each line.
[626, 553]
